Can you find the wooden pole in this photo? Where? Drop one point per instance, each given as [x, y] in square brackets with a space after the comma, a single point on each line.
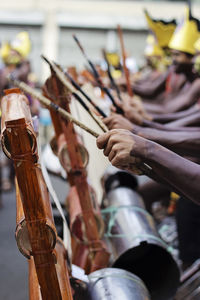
[126, 71]
[45, 101]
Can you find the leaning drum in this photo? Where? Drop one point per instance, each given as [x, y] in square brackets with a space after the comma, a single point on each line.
[116, 284]
[136, 245]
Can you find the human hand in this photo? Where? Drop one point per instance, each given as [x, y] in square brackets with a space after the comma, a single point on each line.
[115, 121]
[123, 149]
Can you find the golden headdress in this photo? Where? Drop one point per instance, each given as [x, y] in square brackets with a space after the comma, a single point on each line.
[152, 48]
[186, 34]
[162, 30]
[21, 44]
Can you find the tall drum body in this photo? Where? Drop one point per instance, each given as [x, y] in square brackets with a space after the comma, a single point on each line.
[116, 284]
[136, 245]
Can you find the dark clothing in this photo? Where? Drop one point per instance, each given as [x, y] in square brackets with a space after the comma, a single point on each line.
[188, 226]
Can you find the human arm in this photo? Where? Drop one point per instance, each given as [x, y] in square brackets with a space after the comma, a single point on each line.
[169, 117]
[191, 120]
[181, 102]
[124, 150]
[149, 88]
[184, 141]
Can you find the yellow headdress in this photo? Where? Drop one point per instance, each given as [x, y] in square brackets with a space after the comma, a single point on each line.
[197, 45]
[186, 34]
[22, 44]
[113, 58]
[4, 51]
[162, 30]
[152, 47]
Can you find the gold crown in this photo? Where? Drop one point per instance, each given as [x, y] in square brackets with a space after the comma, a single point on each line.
[152, 48]
[197, 45]
[113, 58]
[186, 34]
[162, 30]
[22, 44]
[5, 50]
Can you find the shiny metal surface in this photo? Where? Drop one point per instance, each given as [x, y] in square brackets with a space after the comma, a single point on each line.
[136, 245]
[116, 284]
[114, 177]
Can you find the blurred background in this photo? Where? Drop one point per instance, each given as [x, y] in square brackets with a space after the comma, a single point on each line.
[50, 24]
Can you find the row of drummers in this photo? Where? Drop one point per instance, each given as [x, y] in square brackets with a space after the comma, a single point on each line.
[131, 243]
[139, 251]
[136, 255]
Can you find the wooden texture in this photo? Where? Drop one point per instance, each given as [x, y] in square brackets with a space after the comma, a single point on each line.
[62, 272]
[21, 232]
[126, 71]
[64, 156]
[20, 143]
[65, 115]
[62, 77]
[78, 174]
[34, 288]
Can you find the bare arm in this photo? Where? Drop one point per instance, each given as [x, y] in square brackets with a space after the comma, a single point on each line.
[165, 118]
[181, 174]
[125, 150]
[185, 141]
[182, 142]
[192, 120]
[149, 89]
[181, 102]
[179, 125]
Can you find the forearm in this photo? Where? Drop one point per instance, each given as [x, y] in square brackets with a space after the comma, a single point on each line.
[181, 142]
[168, 127]
[145, 91]
[180, 173]
[132, 152]
[181, 102]
[149, 88]
[192, 120]
[153, 109]
[165, 118]
[172, 107]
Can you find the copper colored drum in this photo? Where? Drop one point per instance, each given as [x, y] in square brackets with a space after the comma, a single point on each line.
[63, 154]
[76, 216]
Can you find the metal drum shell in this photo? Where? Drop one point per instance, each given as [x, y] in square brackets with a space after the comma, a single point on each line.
[114, 177]
[137, 246]
[116, 284]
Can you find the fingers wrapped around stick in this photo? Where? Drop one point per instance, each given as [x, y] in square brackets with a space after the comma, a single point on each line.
[121, 147]
[118, 121]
